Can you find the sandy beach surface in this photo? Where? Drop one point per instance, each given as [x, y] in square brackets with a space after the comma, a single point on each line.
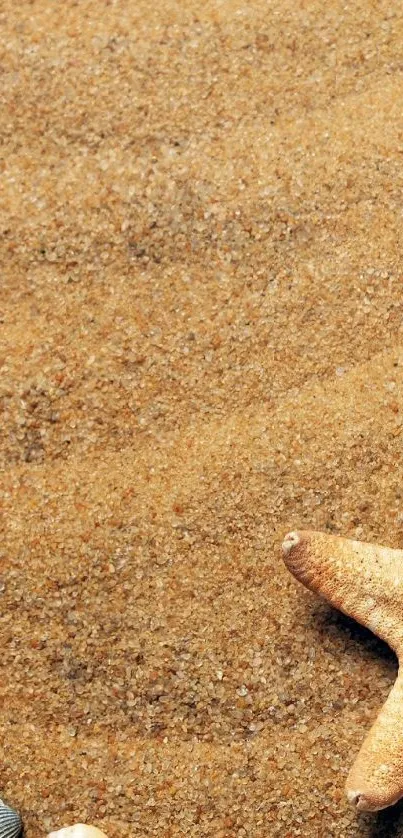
[200, 349]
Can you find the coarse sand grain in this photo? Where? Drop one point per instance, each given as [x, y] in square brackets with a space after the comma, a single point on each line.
[200, 350]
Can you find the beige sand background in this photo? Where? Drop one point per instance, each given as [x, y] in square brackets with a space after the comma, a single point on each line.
[201, 321]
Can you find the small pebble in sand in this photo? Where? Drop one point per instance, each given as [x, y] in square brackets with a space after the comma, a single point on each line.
[79, 830]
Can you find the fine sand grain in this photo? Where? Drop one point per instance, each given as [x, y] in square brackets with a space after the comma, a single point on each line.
[201, 326]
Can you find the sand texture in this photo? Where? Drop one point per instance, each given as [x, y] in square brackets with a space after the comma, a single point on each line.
[200, 349]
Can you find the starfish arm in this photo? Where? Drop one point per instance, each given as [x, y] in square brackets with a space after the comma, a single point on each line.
[376, 778]
[365, 581]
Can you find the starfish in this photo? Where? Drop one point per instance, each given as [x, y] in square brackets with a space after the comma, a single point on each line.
[365, 581]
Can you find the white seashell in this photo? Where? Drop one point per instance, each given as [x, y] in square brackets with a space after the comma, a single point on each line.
[10, 822]
[79, 830]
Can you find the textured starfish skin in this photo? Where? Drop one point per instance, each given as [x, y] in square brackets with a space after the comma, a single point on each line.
[364, 581]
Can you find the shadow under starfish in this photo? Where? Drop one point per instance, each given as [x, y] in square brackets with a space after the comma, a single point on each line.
[325, 616]
[365, 582]
[389, 823]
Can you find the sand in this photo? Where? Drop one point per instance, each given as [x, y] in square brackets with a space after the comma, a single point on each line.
[201, 324]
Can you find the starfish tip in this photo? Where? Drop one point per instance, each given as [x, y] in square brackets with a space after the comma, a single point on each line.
[360, 802]
[353, 797]
[291, 540]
